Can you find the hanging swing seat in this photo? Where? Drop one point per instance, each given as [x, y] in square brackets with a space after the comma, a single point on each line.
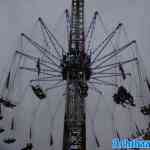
[51, 140]
[83, 89]
[38, 91]
[148, 83]
[145, 110]
[123, 97]
[6, 103]
[29, 146]
[1, 117]
[24, 148]
[9, 140]
[146, 136]
[2, 130]
[122, 71]
[141, 134]
[97, 142]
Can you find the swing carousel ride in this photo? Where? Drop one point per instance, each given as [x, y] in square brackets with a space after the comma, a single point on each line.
[83, 60]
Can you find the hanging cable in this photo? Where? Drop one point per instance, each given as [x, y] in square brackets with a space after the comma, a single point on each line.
[68, 24]
[30, 134]
[11, 139]
[93, 130]
[47, 44]
[40, 49]
[51, 37]
[51, 140]
[1, 115]
[52, 120]
[12, 124]
[90, 32]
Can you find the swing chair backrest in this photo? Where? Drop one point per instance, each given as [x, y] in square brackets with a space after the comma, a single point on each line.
[6, 103]
[9, 140]
[38, 91]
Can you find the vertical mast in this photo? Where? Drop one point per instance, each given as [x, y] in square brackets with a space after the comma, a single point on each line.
[75, 70]
[77, 26]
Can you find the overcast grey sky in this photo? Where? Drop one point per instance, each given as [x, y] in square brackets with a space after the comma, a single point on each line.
[18, 16]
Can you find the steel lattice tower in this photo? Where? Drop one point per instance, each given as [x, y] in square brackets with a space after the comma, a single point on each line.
[75, 72]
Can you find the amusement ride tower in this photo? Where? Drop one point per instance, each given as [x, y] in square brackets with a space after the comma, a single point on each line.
[76, 71]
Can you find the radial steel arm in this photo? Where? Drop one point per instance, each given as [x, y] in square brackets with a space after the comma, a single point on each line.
[40, 48]
[102, 82]
[105, 42]
[68, 23]
[43, 79]
[42, 62]
[115, 64]
[56, 85]
[92, 87]
[47, 43]
[110, 73]
[91, 30]
[114, 53]
[93, 21]
[52, 38]
[35, 70]
[113, 75]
